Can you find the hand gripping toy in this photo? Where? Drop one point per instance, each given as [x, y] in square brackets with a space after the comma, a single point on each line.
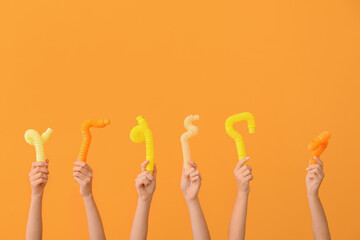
[318, 145]
[86, 135]
[140, 133]
[185, 137]
[237, 136]
[32, 137]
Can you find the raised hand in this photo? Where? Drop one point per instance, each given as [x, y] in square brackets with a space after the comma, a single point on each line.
[190, 181]
[243, 176]
[314, 177]
[38, 177]
[145, 183]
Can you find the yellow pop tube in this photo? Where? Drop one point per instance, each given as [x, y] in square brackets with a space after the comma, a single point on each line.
[86, 135]
[32, 137]
[141, 133]
[237, 136]
[191, 132]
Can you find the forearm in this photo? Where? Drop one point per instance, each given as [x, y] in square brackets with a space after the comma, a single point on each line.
[237, 224]
[318, 218]
[140, 224]
[34, 223]
[198, 222]
[96, 229]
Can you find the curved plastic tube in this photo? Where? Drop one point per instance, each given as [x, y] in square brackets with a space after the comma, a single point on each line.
[191, 132]
[32, 137]
[86, 135]
[318, 145]
[237, 136]
[140, 133]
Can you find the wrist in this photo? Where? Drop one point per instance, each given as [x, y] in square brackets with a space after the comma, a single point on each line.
[87, 197]
[192, 200]
[144, 202]
[147, 199]
[243, 193]
[312, 195]
[35, 196]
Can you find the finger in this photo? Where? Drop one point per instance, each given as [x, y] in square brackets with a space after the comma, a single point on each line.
[155, 171]
[195, 178]
[244, 160]
[41, 169]
[317, 171]
[143, 165]
[37, 170]
[195, 173]
[39, 164]
[38, 175]
[80, 163]
[313, 166]
[145, 181]
[84, 165]
[246, 173]
[83, 170]
[240, 163]
[313, 171]
[192, 164]
[189, 171]
[81, 175]
[40, 181]
[248, 178]
[244, 168]
[318, 160]
[47, 161]
[148, 175]
[79, 180]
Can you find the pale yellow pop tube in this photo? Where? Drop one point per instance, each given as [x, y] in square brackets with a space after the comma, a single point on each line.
[32, 137]
[140, 133]
[191, 132]
[237, 136]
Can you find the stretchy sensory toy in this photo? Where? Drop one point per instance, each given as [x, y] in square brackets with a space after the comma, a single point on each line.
[318, 145]
[86, 135]
[237, 136]
[140, 133]
[32, 137]
[185, 137]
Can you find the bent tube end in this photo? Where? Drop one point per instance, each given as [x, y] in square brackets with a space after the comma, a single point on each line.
[252, 130]
[107, 122]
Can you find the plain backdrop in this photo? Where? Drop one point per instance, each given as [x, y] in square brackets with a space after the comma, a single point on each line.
[293, 64]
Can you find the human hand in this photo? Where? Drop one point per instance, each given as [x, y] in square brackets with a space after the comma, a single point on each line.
[83, 175]
[190, 182]
[38, 177]
[314, 177]
[145, 183]
[243, 176]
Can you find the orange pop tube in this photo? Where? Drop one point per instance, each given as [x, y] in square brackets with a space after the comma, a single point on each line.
[191, 132]
[140, 133]
[86, 135]
[318, 145]
[230, 121]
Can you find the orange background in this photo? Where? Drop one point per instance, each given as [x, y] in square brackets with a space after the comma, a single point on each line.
[293, 64]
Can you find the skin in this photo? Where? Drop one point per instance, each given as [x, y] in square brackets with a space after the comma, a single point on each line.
[313, 181]
[83, 175]
[145, 184]
[38, 178]
[237, 224]
[190, 186]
